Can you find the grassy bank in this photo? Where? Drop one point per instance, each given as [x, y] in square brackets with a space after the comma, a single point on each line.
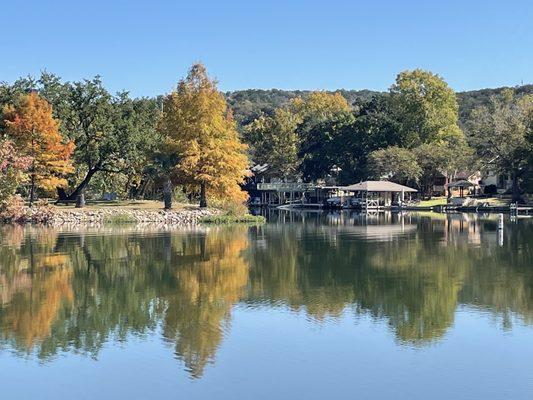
[440, 201]
[233, 219]
[148, 205]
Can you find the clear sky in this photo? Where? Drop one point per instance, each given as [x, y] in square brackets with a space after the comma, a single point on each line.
[146, 46]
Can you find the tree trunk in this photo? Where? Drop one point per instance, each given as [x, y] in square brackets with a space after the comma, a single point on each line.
[167, 194]
[516, 189]
[32, 189]
[448, 189]
[61, 194]
[80, 200]
[81, 187]
[203, 200]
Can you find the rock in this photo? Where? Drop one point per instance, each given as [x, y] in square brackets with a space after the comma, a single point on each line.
[145, 217]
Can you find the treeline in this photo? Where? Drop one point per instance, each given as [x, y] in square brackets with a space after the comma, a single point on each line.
[250, 103]
[412, 134]
[66, 138]
[63, 139]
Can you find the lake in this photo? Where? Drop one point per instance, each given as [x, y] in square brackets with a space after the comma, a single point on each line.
[308, 306]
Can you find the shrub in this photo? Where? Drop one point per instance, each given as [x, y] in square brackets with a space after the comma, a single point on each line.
[12, 167]
[490, 189]
[230, 207]
[13, 210]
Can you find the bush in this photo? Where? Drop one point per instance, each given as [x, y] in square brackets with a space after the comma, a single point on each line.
[490, 189]
[13, 210]
[230, 207]
[179, 196]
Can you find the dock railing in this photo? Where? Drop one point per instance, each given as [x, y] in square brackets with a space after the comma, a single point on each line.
[286, 186]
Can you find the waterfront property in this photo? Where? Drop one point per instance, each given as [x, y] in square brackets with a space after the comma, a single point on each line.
[375, 195]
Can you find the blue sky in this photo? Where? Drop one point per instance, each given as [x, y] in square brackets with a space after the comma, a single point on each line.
[145, 47]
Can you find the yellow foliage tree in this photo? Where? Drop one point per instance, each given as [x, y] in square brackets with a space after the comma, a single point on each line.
[202, 137]
[320, 105]
[35, 133]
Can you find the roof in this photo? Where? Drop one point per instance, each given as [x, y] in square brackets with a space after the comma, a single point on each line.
[460, 184]
[378, 186]
[259, 168]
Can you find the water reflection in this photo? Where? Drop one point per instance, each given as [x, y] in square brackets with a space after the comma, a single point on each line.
[64, 292]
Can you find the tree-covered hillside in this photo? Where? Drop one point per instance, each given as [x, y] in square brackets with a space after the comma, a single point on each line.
[248, 104]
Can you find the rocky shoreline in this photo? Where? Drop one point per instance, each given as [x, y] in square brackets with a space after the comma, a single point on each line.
[81, 217]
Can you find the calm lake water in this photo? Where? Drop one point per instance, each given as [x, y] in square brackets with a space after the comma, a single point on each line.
[308, 306]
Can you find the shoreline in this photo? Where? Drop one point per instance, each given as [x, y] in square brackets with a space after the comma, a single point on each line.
[113, 216]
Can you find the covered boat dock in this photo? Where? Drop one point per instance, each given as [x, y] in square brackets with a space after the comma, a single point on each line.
[375, 195]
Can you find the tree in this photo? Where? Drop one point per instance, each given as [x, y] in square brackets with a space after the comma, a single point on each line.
[343, 141]
[425, 108]
[332, 144]
[12, 169]
[444, 158]
[275, 142]
[499, 133]
[319, 106]
[35, 133]
[113, 134]
[280, 140]
[200, 132]
[395, 163]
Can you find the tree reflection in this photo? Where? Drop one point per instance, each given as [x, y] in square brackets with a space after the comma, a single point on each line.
[124, 285]
[75, 292]
[35, 286]
[413, 278]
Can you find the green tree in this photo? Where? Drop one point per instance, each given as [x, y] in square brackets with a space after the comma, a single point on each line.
[443, 158]
[343, 141]
[113, 134]
[280, 139]
[275, 141]
[425, 108]
[499, 133]
[395, 163]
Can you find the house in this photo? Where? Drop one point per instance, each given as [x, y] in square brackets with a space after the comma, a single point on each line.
[492, 182]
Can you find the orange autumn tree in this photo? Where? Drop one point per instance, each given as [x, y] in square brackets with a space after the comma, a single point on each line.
[201, 135]
[34, 131]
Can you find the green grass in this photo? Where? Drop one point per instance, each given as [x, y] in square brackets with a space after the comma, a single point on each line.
[233, 219]
[119, 219]
[125, 204]
[438, 201]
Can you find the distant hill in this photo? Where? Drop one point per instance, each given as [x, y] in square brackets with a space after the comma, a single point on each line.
[475, 98]
[247, 104]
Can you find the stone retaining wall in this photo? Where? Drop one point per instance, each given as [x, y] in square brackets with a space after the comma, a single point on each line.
[75, 217]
